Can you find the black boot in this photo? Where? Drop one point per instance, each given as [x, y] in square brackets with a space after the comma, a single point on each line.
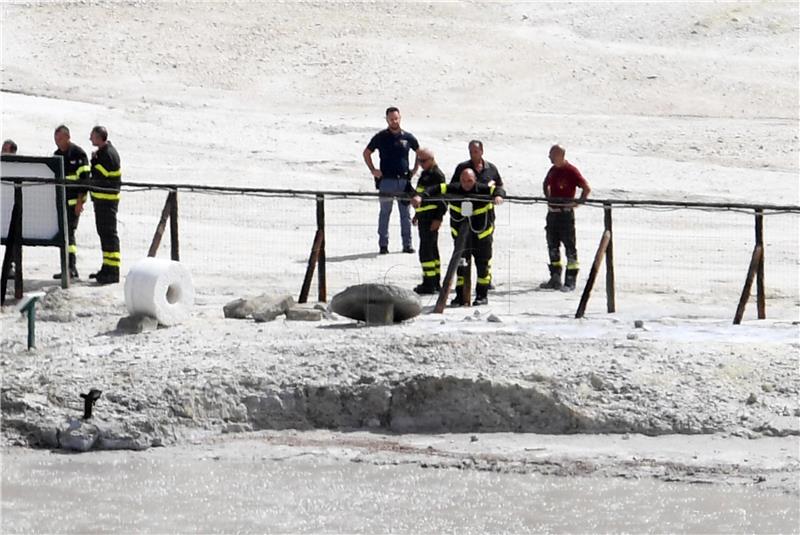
[569, 280]
[458, 300]
[73, 274]
[425, 288]
[73, 271]
[555, 279]
[481, 295]
[108, 275]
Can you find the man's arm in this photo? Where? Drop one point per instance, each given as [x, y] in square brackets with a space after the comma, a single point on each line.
[546, 189]
[585, 191]
[371, 166]
[416, 165]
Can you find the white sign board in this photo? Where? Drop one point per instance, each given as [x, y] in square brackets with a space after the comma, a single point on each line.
[41, 213]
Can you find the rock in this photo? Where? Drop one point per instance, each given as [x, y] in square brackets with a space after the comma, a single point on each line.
[237, 428]
[767, 387]
[632, 336]
[493, 319]
[78, 436]
[751, 399]
[597, 382]
[303, 314]
[266, 308]
[355, 302]
[263, 305]
[638, 324]
[136, 324]
[238, 309]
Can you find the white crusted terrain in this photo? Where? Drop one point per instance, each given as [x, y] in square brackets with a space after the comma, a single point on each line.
[693, 102]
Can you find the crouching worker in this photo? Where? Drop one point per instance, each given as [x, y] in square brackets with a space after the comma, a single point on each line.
[480, 227]
[428, 218]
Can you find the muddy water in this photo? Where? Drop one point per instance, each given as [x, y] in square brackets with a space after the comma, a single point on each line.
[285, 490]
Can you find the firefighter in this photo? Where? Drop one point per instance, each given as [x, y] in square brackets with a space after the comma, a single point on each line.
[560, 184]
[428, 218]
[76, 173]
[106, 177]
[480, 228]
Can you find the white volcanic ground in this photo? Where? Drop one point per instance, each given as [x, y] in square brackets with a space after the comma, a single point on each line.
[665, 101]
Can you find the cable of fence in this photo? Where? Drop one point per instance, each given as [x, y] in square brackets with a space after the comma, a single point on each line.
[365, 195]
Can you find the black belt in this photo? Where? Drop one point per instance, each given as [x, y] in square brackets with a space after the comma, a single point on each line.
[558, 210]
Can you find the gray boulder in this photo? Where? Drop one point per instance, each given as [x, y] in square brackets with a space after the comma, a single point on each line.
[262, 308]
[377, 303]
[78, 436]
[267, 308]
[136, 324]
[303, 314]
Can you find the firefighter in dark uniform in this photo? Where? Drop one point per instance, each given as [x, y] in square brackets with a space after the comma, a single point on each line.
[106, 177]
[480, 229]
[428, 219]
[561, 181]
[485, 172]
[76, 173]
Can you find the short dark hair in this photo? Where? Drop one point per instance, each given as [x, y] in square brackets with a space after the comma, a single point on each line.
[61, 128]
[11, 145]
[392, 109]
[101, 131]
[477, 142]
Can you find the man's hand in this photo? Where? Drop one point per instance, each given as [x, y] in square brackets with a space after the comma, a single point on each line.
[377, 173]
[498, 201]
[414, 220]
[416, 201]
[79, 205]
[435, 224]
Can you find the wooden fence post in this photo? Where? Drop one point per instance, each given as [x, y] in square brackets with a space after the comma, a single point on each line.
[452, 267]
[611, 298]
[598, 258]
[322, 282]
[174, 241]
[748, 283]
[162, 225]
[760, 300]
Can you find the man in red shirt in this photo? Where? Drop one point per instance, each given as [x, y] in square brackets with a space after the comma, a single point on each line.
[559, 187]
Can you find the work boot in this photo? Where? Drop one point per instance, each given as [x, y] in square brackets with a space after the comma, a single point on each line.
[569, 280]
[457, 301]
[109, 276]
[425, 289]
[73, 274]
[408, 249]
[555, 279]
[481, 295]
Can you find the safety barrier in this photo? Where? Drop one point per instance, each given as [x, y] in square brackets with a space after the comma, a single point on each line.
[690, 253]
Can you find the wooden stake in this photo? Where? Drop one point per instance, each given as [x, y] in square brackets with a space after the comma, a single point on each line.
[312, 262]
[162, 225]
[758, 253]
[611, 299]
[761, 304]
[447, 283]
[174, 240]
[598, 258]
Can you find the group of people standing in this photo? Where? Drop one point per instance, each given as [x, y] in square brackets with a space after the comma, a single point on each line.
[478, 180]
[99, 178]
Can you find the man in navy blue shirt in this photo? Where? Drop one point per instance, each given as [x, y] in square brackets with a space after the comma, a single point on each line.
[393, 176]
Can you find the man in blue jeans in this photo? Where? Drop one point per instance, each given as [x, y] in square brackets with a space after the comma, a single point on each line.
[393, 176]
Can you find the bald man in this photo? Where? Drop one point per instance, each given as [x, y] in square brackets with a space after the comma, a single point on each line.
[559, 187]
[480, 228]
[428, 218]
